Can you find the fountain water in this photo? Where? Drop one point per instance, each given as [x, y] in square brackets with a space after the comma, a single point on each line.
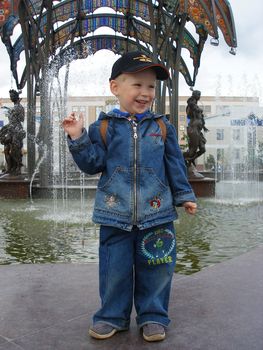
[60, 228]
[60, 179]
[237, 154]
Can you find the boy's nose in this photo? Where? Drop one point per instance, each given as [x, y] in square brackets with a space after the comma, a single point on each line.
[145, 92]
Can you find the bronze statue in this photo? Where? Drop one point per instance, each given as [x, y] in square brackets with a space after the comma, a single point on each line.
[196, 139]
[12, 135]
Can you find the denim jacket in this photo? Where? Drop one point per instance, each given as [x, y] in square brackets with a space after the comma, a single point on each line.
[142, 178]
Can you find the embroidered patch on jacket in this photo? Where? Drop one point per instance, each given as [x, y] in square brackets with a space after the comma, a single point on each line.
[156, 202]
[157, 246]
[156, 137]
[155, 134]
[111, 200]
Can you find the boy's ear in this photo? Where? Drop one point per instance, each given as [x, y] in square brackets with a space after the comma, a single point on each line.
[114, 87]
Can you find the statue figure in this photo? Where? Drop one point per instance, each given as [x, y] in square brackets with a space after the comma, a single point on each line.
[196, 139]
[12, 135]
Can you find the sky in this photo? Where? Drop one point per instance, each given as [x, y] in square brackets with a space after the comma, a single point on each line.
[220, 73]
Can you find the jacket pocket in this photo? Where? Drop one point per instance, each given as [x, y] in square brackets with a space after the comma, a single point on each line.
[155, 196]
[113, 194]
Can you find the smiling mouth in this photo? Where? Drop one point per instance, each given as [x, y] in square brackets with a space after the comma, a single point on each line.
[142, 102]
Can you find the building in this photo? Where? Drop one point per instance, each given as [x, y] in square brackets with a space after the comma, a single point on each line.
[233, 139]
[232, 129]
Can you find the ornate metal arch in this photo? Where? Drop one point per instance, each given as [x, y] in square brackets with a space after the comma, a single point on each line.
[50, 29]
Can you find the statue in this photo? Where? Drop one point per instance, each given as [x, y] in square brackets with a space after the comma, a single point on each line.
[12, 135]
[196, 139]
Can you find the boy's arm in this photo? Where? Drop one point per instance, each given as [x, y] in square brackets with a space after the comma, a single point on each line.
[176, 169]
[88, 151]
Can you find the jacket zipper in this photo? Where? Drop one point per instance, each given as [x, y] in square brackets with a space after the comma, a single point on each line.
[135, 136]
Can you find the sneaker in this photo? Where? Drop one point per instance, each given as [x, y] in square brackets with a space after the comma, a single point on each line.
[101, 330]
[153, 332]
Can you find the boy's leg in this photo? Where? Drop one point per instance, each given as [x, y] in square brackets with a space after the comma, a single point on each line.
[116, 255]
[155, 260]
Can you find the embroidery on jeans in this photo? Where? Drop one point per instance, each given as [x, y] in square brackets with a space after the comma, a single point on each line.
[111, 200]
[157, 246]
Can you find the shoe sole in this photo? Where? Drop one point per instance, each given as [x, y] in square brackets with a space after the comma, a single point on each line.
[154, 337]
[102, 336]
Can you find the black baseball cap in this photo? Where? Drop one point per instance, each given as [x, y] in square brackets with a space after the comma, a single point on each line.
[136, 61]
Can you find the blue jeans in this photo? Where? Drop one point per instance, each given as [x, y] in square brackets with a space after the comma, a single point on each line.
[140, 265]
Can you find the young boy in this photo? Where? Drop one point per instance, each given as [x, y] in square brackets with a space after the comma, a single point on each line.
[143, 179]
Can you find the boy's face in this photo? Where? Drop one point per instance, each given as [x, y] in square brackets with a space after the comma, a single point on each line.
[135, 91]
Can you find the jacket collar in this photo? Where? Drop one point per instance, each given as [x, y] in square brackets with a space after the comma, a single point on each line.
[116, 113]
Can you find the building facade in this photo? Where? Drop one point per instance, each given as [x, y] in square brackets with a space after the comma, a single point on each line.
[234, 123]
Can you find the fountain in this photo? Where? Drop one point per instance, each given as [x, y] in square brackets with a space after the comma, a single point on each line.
[52, 231]
[12, 182]
[64, 31]
[202, 186]
[238, 161]
[58, 226]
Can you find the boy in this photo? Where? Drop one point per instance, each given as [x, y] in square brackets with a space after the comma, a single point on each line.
[143, 178]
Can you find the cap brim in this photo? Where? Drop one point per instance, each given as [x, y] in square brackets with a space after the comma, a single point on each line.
[161, 72]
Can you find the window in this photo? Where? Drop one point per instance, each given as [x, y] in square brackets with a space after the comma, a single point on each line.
[219, 154]
[79, 109]
[237, 154]
[98, 110]
[236, 134]
[182, 119]
[82, 109]
[251, 138]
[182, 108]
[207, 109]
[220, 134]
[223, 110]
[38, 115]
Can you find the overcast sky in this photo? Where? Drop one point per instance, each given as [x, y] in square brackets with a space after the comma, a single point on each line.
[220, 72]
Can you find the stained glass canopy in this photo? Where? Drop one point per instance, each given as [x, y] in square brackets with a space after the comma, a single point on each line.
[52, 28]
[53, 33]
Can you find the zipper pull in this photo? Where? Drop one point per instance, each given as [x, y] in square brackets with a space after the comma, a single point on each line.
[135, 132]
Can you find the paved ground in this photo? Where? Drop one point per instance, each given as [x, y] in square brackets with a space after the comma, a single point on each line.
[49, 307]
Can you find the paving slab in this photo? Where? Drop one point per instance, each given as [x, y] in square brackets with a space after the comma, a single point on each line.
[49, 307]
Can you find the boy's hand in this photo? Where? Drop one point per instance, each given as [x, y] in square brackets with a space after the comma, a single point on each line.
[190, 207]
[73, 126]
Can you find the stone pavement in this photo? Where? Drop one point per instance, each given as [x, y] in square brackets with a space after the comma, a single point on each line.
[49, 307]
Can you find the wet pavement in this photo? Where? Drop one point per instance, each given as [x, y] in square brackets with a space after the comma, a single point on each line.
[49, 307]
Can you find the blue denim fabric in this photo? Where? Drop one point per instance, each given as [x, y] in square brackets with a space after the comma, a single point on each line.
[137, 264]
[143, 178]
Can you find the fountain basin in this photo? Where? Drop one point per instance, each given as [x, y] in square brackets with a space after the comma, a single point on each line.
[58, 230]
[203, 187]
[14, 186]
